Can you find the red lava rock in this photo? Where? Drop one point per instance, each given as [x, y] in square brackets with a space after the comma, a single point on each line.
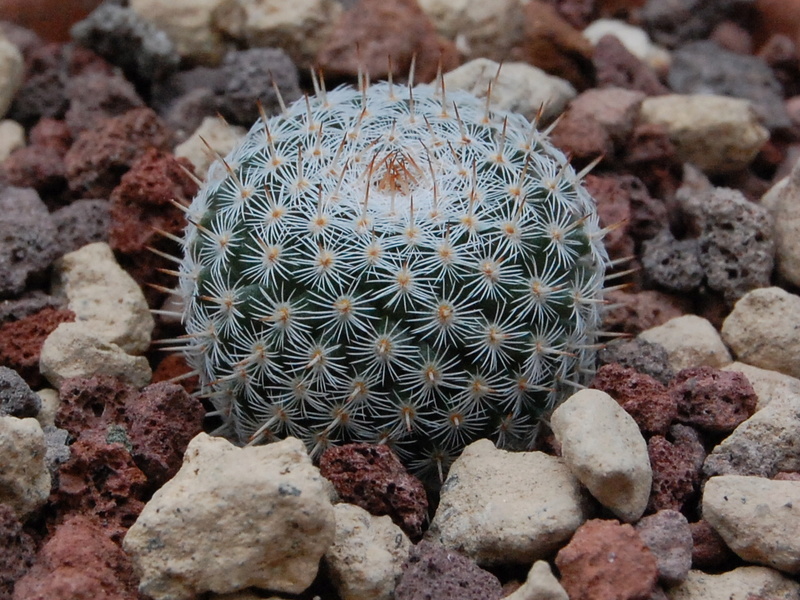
[155, 424]
[607, 561]
[787, 476]
[613, 208]
[642, 397]
[51, 133]
[647, 215]
[645, 357]
[578, 13]
[21, 341]
[142, 203]
[677, 467]
[162, 420]
[615, 66]
[17, 551]
[99, 157]
[371, 30]
[777, 16]
[172, 366]
[432, 571]
[79, 562]
[582, 137]
[713, 400]
[650, 155]
[39, 167]
[372, 477]
[709, 551]
[552, 44]
[94, 96]
[635, 312]
[100, 479]
[733, 37]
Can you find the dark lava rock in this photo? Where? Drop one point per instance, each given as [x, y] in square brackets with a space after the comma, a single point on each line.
[16, 397]
[17, 551]
[705, 68]
[248, 77]
[669, 538]
[58, 452]
[709, 551]
[79, 562]
[82, 222]
[432, 571]
[617, 67]
[99, 157]
[28, 239]
[672, 22]
[645, 357]
[673, 265]
[372, 477]
[21, 342]
[713, 400]
[27, 304]
[129, 41]
[736, 247]
[96, 96]
[677, 467]
[642, 397]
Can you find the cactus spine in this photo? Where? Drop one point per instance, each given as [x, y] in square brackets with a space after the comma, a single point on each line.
[389, 264]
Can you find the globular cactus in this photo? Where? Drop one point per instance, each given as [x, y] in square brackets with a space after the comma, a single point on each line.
[390, 264]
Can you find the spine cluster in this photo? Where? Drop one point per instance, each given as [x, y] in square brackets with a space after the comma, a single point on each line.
[396, 265]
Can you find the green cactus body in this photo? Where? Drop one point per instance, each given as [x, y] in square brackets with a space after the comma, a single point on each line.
[404, 266]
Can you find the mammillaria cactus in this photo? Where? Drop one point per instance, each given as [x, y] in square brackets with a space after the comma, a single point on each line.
[390, 264]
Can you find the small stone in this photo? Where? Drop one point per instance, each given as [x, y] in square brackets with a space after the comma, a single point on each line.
[433, 571]
[673, 265]
[690, 341]
[12, 137]
[250, 77]
[753, 583]
[198, 533]
[677, 467]
[541, 584]
[372, 30]
[190, 26]
[552, 44]
[71, 351]
[97, 96]
[644, 357]
[758, 518]
[641, 396]
[767, 384]
[709, 551]
[783, 202]
[220, 137]
[17, 551]
[668, 536]
[79, 562]
[301, 27]
[367, 554]
[634, 312]
[16, 398]
[101, 479]
[24, 478]
[764, 445]
[492, 500]
[761, 330]
[372, 477]
[713, 400]
[28, 241]
[105, 299]
[588, 571]
[616, 66]
[671, 23]
[49, 406]
[479, 29]
[735, 246]
[703, 67]
[11, 73]
[81, 223]
[605, 450]
[21, 342]
[99, 157]
[715, 133]
[516, 87]
[125, 39]
[634, 39]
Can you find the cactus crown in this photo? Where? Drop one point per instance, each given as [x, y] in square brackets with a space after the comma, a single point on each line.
[401, 266]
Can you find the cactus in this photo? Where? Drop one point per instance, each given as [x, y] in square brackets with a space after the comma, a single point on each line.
[394, 265]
